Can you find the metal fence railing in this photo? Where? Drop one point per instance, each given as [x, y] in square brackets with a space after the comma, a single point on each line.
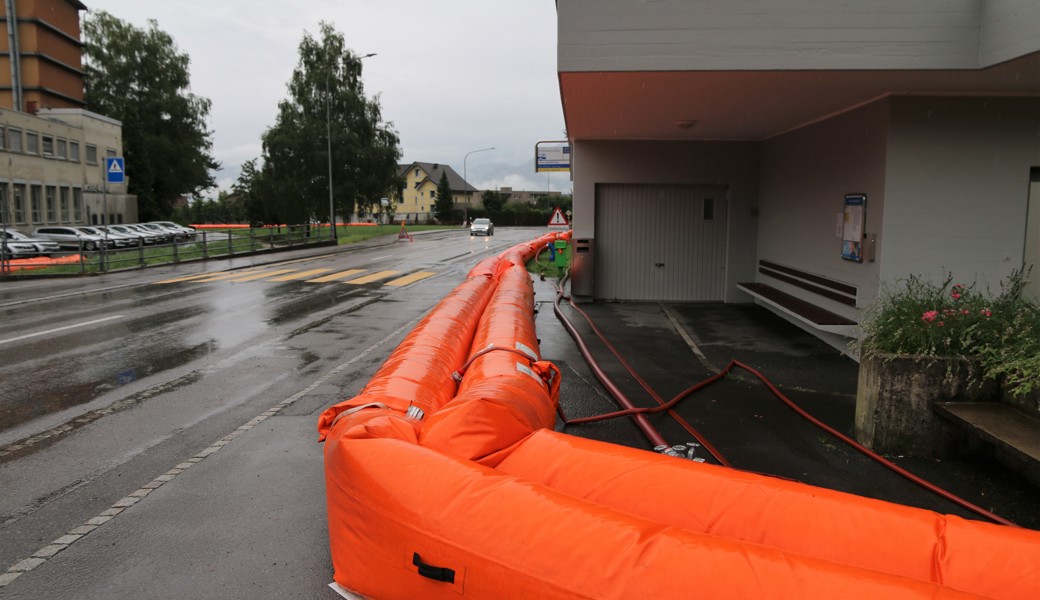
[206, 244]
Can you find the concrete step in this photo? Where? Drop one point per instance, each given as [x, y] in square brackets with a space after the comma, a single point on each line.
[1015, 434]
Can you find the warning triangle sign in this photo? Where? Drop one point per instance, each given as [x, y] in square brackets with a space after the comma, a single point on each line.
[558, 220]
[115, 167]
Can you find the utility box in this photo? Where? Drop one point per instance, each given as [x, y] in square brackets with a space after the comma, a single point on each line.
[561, 253]
[582, 269]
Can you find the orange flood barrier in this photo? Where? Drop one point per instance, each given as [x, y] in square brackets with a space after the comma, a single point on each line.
[40, 262]
[444, 479]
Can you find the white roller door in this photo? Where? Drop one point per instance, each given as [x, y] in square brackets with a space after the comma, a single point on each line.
[661, 242]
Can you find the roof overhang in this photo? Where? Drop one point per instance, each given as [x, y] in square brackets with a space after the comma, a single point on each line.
[758, 105]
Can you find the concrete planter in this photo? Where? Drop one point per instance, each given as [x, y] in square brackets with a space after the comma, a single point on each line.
[894, 401]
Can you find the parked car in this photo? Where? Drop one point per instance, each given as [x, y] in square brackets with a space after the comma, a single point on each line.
[145, 236]
[482, 227]
[165, 234]
[20, 245]
[70, 237]
[160, 237]
[181, 232]
[120, 240]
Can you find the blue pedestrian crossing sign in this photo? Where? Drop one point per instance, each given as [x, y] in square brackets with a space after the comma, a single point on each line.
[115, 169]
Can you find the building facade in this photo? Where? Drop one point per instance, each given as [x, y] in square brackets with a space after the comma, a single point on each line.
[52, 169]
[799, 146]
[415, 205]
[41, 64]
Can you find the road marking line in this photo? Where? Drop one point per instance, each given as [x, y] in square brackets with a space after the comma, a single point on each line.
[205, 276]
[57, 546]
[372, 278]
[335, 276]
[65, 328]
[300, 275]
[402, 281]
[263, 275]
[222, 276]
[688, 338]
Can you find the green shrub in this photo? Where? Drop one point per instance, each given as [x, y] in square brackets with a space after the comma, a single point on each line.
[922, 318]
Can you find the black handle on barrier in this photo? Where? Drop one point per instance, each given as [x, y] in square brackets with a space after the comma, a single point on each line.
[431, 572]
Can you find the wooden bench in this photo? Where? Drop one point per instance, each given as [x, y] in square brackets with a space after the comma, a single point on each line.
[799, 308]
[1014, 434]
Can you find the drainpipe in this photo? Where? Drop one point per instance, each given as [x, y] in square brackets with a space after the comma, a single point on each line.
[16, 57]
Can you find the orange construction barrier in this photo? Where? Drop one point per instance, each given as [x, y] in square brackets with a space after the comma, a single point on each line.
[444, 479]
[39, 262]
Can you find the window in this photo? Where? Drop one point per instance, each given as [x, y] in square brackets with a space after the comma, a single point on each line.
[14, 139]
[4, 207]
[64, 206]
[3, 137]
[77, 205]
[18, 199]
[110, 153]
[62, 147]
[52, 216]
[48, 145]
[32, 142]
[35, 193]
[91, 154]
[417, 172]
[400, 200]
[74, 151]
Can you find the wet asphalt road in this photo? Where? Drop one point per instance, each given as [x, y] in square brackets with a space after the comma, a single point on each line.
[194, 402]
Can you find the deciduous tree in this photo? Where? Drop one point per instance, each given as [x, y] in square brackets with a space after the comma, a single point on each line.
[140, 78]
[327, 110]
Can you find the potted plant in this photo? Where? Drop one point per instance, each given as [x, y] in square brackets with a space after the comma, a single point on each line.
[926, 342]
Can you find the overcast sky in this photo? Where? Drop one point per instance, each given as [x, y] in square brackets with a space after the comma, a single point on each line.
[452, 75]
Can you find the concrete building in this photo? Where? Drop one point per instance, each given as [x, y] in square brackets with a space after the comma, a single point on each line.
[415, 205]
[799, 153]
[41, 55]
[52, 173]
[52, 150]
[526, 196]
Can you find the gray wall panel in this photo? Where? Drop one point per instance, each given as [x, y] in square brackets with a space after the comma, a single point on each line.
[622, 35]
[654, 244]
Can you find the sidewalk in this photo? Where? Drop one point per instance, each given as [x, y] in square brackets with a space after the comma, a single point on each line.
[673, 346]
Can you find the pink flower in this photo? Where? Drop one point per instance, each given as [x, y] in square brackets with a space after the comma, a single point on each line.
[930, 316]
[956, 296]
[986, 312]
[965, 311]
[940, 323]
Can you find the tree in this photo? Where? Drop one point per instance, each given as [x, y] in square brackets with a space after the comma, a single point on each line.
[493, 201]
[327, 109]
[138, 77]
[445, 204]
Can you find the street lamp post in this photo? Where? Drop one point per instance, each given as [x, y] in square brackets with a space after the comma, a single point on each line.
[465, 182]
[328, 139]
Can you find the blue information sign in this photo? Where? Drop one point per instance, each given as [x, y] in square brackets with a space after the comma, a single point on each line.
[115, 170]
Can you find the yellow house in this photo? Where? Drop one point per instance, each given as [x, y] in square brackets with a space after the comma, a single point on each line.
[415, 205]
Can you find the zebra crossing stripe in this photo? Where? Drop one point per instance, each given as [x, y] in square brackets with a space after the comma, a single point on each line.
[336, 276]
[407, 279]
[374, 277]
[300, 275]
[206, 276]
[262, 275]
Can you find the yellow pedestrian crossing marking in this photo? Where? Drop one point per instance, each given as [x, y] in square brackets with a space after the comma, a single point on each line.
[374, 277]
[206, 277]
[261, 275]
[300, 275]
[418, 276]
[307, 276]
[336, 276]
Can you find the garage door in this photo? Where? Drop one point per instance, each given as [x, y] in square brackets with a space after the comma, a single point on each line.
[661, 242]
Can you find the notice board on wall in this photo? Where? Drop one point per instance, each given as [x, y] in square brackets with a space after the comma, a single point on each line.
[852, 227]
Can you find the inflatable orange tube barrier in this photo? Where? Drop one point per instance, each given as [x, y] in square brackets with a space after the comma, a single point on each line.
[444, 479]
[40, 262]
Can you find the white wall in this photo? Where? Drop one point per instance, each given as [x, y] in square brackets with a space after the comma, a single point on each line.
[1009, 29]
[626, 35]
[805, 177]
[958, 186]
[732, 164]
